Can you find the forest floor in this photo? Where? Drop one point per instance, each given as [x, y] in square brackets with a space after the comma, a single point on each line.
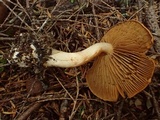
[38, 93]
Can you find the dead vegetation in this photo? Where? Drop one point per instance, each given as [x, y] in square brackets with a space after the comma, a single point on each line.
[35, 92]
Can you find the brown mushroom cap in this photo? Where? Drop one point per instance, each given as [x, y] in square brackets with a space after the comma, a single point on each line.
[128, 70]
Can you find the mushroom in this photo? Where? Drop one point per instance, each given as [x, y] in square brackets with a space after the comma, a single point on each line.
[120, 66]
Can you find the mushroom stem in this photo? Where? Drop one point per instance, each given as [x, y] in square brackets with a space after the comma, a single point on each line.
[66, 60]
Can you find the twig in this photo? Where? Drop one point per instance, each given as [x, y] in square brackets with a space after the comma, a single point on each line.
[17, 16]
[32, 108]
[140, 13]
[155, 103]
[6, 38]
[45, 22]
[152, 20]
[114, 10]
[64, 87]
[75, 101]
[96, 22]
[63, 108]
[136, 12]
[73, 21]
[71, 117]
[120, 110]
[3, 65]
[110, 117]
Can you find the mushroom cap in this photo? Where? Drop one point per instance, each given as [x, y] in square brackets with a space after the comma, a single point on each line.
[127, 71]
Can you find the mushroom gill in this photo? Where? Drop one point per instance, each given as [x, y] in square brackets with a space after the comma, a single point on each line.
[128, 70]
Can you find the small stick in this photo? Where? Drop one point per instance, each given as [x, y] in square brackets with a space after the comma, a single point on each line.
[96, 22]
[63, 108]
[32, 108]
[156, 106]
[120, 110]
